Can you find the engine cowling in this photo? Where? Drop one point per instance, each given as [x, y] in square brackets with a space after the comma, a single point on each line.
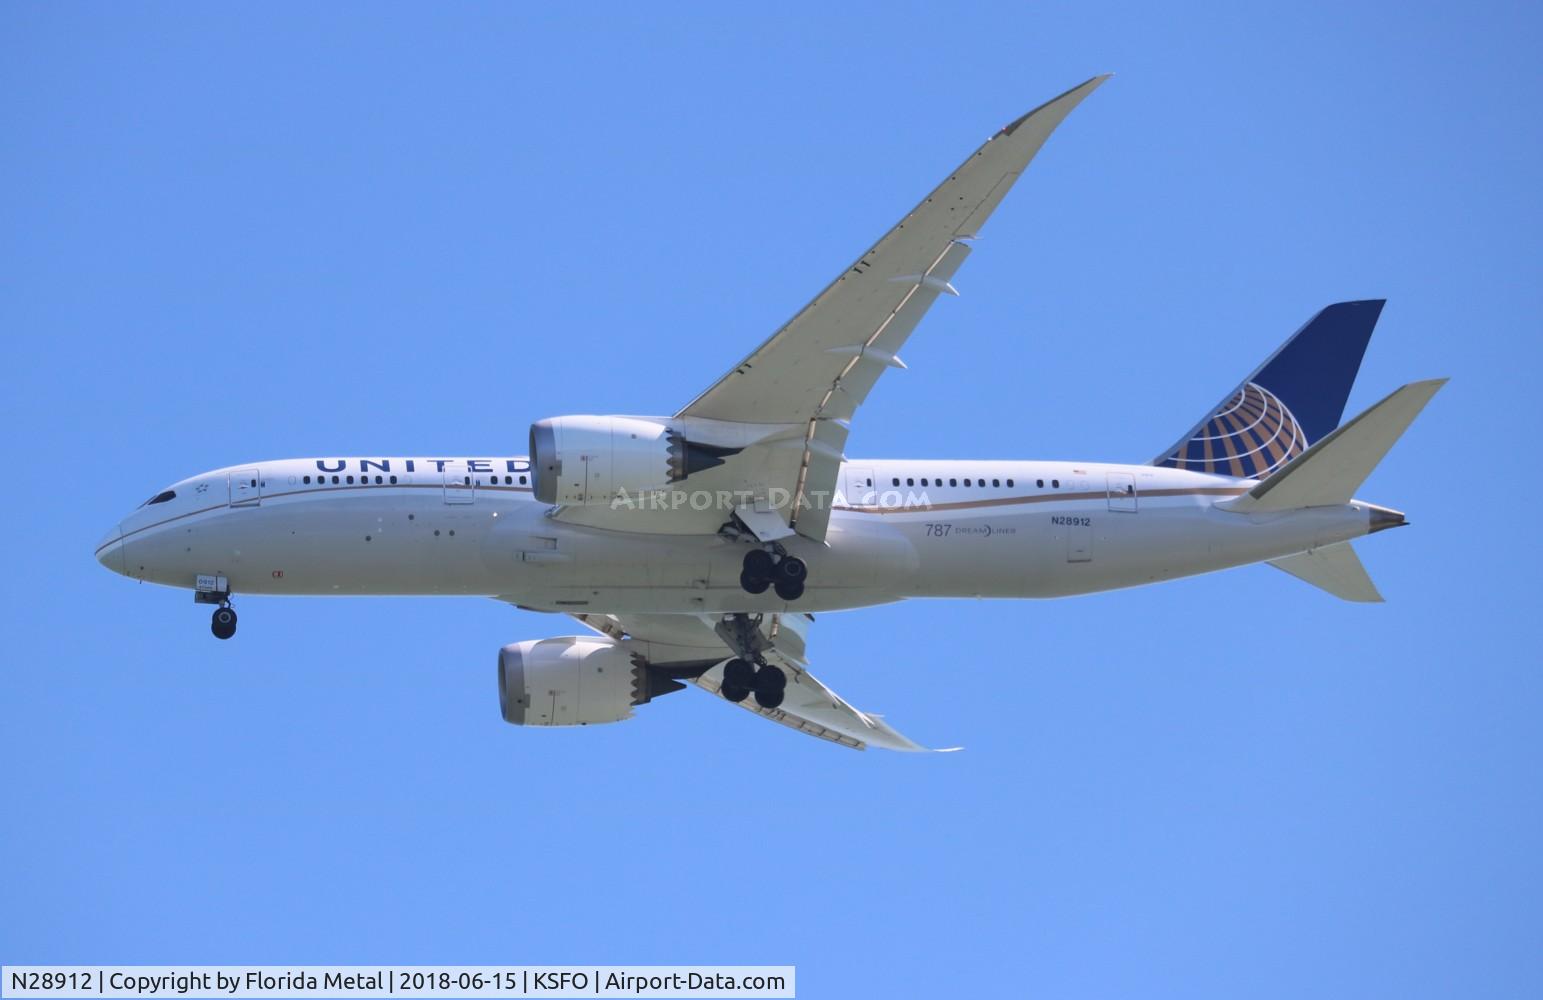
[573, 681]
[589, 461]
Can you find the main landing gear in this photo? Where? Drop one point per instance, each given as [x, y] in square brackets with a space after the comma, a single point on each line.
[749, 673]
[774, 569]
[741, 678]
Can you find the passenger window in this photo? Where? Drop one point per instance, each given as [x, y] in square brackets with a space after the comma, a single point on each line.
[350, 479]
[1040, 483]
[393, 480]
[966, 482]
[334, 480]
[896, 481]
[307, 480]
[1009, 482]
[953, 482]
[1055, 484]
[996, 482]
[912, 482]
[522, 480]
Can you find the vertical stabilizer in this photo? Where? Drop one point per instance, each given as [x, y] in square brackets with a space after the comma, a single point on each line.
[1291, 401]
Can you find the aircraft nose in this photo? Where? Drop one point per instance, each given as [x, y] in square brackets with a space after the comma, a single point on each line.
[109, 551]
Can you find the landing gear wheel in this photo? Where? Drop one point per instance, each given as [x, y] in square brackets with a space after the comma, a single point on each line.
[770, 686]
[758, 562]
[739, 673]
[770, 678]
[752, 584]
[734, 694]
[223, 623]
[792, 569]
[790, 590]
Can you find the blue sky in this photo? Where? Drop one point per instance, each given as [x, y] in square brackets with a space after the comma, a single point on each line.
[242, 233]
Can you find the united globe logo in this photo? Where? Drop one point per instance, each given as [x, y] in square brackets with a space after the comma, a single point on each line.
[1249, 437]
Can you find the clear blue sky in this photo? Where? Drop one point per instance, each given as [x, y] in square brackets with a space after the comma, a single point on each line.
[241, 233]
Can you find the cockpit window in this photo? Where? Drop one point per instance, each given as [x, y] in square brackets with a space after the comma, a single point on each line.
[160, 498]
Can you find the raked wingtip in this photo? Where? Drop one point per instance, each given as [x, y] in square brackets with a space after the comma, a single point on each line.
[1076, 93]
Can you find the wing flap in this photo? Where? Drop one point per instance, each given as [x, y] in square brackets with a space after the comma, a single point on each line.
[876, 355]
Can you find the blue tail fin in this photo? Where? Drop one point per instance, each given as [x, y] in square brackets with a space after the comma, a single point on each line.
[1290, 401]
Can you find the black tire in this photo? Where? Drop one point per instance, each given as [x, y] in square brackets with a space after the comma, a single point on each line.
[734, 694]
[770, 678]
[769, 699]
[223, 623]
[738, 673]
[758, 562]
[790, 590]
[792, 569]
[752, 584]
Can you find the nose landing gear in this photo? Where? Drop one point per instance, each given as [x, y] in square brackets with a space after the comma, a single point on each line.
[215, 590]
[223, 623]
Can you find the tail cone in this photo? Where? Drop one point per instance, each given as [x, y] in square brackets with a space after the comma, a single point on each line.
[1383, 518]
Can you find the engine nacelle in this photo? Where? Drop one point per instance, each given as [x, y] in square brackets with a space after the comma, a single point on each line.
[573, 681]
[588, 461]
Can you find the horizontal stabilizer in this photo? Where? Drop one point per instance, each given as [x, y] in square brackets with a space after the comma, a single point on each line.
[1329, 473]
[1335, 568]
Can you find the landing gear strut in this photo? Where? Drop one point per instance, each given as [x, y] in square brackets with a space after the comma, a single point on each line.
[749, 673]
[775, 569]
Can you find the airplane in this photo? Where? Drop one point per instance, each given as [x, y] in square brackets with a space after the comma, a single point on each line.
[697, 548]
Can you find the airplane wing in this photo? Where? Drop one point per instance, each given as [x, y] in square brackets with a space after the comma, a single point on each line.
[689, 644]
[784, 411]
[819, 368]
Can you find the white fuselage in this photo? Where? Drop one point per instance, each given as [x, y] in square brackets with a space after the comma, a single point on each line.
[417, 526]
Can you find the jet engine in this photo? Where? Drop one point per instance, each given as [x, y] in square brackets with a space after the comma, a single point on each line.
[574, 681]
[588, 461]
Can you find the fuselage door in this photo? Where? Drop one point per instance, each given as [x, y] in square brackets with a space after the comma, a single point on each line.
[246, 488]
[1122, 492]
[860, 490]
[460, 484]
